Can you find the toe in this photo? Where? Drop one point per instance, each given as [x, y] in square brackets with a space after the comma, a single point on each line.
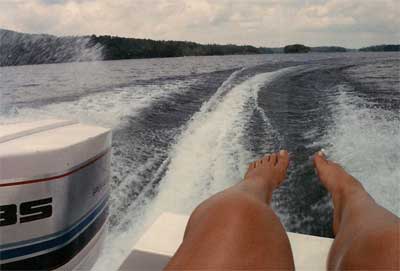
[273, 159]
[320, 161]
[266, 158]
[283, 159]
[328, 173]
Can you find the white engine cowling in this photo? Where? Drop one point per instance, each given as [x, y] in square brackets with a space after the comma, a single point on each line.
[54, 188]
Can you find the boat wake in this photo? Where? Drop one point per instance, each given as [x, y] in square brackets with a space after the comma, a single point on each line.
[209, 156]
[365, 140]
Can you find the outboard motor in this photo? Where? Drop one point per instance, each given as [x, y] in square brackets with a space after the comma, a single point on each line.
[54, 188]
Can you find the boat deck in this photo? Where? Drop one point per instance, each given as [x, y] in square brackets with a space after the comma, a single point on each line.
[163, 238]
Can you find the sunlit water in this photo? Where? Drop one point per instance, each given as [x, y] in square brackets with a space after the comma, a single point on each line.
[185, 128]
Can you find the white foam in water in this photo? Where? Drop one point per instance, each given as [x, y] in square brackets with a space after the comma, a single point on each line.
[108, 108]
[366, 141]
[208, 157]
[119, 194]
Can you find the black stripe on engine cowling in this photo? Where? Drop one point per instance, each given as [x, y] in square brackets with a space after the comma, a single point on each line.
[61, 256]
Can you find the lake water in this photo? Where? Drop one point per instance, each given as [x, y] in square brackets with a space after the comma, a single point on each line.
[186, 128]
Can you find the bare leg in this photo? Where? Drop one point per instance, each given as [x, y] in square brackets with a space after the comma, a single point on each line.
[236, 229]
[367, 236]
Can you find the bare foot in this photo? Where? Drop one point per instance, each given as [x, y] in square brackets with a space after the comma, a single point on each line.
[268, 172]
[343, 187]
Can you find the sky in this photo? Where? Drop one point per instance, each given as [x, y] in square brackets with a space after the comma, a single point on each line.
[270, 23]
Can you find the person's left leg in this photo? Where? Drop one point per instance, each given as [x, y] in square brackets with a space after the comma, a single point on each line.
[236, 228]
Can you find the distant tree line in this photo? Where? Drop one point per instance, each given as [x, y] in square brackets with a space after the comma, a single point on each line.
[127, 48]
[382, 48]
[300, 48]
[328, 49]
[22, 49]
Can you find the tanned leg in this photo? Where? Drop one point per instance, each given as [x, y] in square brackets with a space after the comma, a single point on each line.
[367, 236]
[236, 228]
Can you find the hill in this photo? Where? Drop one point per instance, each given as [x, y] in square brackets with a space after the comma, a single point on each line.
[300, 48]
[296, 48]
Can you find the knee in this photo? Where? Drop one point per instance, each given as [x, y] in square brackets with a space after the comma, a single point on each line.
[376, 249]
[234, 207]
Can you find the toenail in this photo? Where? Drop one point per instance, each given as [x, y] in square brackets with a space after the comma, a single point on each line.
[282, 152]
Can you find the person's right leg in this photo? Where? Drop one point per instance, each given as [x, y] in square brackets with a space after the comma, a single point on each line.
[367, 236]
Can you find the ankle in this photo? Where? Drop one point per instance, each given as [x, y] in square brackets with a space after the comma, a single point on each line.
[349, 190]
[349, 194]
[257, 186]
[353, 201]
[260, 184]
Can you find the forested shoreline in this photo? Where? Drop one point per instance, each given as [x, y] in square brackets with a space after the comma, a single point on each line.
[25, 49]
